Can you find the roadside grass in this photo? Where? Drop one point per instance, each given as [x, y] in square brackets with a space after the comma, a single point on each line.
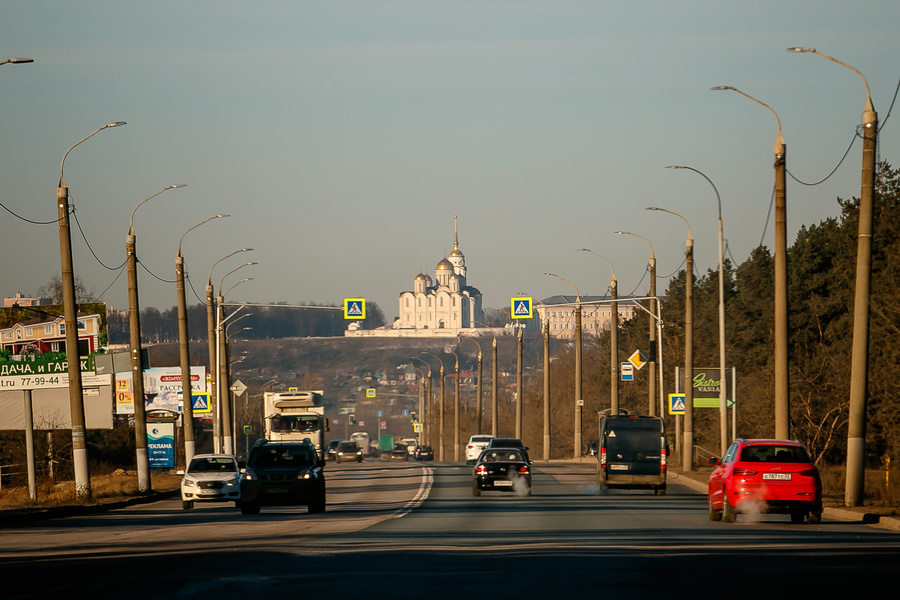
[119, 485]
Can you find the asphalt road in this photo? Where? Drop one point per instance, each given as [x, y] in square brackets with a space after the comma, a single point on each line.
[410, 529]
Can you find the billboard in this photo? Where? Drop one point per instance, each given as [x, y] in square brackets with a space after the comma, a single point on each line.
[162, 389]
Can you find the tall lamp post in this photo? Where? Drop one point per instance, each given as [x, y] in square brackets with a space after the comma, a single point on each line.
[478, 396]
[547, 389]
[494, 384]
[613, 337]
[440, 411]
[70, 310]
[184, 349]
[213, 348]
[222, 362]
[425, 408]
[651, 360]
[859, 361]
[687, 445]
[579, 401]
[137, 365]
[456, 408]
[723, 411]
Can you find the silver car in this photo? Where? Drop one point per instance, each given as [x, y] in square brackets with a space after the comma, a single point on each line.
[211, 478]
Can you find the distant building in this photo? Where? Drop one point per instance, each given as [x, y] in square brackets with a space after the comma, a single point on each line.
[48, 334]
[559, 312]
[20, 300]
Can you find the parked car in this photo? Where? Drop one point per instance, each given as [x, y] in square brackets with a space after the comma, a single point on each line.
[765, 476]
[633, 453]
[283, 474]
[510, 443]
[331, 449]
[211, 478]
[424, 453]
[348, 451]
[502, 470]
[475, 445]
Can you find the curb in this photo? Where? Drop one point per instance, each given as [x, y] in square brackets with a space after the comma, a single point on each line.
[19, 516]
[840, 514]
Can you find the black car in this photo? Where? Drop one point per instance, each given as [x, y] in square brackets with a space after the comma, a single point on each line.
[424, 453]
[632, 453]
[348, 451]
[510, 443]
[283, 474]
[502, 470]
[331, 450]
[399, 452]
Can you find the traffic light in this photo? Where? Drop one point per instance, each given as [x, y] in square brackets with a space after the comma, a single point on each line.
[353, 419]
[412, 417]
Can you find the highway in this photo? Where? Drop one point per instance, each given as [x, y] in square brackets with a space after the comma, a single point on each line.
[398, 529]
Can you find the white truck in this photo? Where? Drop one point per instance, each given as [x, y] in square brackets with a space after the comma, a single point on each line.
[295, 416]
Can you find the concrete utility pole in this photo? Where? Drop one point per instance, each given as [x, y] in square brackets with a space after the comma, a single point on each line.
[520, 393]
[547, 390]
[456, 441]
[426, 406]
[440, 410]
[613, 337]
[579, 401]
[854, 492]
[70, 311]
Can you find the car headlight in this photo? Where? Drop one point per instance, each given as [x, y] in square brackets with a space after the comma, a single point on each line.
[233, 482]
[249, 475]
[304, 475]
[189, 483]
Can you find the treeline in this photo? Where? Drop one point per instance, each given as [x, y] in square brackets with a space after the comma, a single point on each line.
[821, 288]
[278, 321]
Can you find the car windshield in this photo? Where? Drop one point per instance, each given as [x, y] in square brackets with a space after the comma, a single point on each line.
[772, 453]
[216, 464]
[280, 456]
[502, 456]
[347, 447]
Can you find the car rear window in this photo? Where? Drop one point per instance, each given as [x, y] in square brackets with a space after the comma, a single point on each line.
[771, 453]
[280, 456]
[480, 439]
[502, 456]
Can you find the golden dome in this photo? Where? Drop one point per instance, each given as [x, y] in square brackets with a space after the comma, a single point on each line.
[456, 252]
[444, 265]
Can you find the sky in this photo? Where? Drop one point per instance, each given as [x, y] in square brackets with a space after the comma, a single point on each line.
[343, 138]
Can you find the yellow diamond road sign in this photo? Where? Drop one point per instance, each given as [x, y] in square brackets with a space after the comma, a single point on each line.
[637, 359]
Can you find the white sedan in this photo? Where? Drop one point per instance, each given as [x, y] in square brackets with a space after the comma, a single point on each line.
[211, 478]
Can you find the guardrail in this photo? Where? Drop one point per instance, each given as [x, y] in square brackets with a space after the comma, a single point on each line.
[7, 473]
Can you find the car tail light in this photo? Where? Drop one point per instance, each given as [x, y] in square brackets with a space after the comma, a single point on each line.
[602, 457]
[524, 470]
[481, 470]
[662, 458]
[740, 472]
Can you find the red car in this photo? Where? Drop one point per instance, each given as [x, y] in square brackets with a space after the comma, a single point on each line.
[765, 476]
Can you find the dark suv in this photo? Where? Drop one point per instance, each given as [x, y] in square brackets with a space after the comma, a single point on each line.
[283, 474]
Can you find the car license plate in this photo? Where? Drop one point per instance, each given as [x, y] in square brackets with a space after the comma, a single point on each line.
[776, 476]
[277, 490]
[209, 492]
[503, 483]
[618, 467]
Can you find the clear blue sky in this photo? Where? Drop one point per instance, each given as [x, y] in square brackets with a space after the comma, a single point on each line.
[343, 137]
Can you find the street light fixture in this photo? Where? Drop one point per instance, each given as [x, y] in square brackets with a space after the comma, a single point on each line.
[495, 424]
[723, 413]
[16, 61]
[213, 347]
[223, 390]
[687, 444]
[613, 336]
[137, 365]
[859, 361]
[440, 411]
[478, 395]
[651, 366]
[70, 310]
[456, 408]
[184, 349]
[579, 401]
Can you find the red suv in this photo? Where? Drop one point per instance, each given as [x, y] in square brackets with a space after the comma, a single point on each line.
[765, 476]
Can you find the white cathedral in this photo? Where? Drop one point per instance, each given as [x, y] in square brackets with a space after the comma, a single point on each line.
[445, 303]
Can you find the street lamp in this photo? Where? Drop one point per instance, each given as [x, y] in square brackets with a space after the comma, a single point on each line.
[222, 364]
[495, 423]
[440, 411]
[687, 445]
[478, 396]
[16, 61]
[651, 366]
[613, 337]
[859, 361]
[184, 349]
[70, 310]
[137, 365]
[425, 407]
[213, 347]
[579, 401]
[456, 409]
[723, 414]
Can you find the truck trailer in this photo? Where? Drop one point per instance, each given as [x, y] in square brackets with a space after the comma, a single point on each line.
[296, 416]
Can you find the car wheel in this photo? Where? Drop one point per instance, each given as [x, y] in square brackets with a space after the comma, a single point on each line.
[318, 506]
[476, 491]
[798, 516]
[187, 504]
[714, 515]
[249, 509]
[661, 491]
[728, 513]
[814, 518]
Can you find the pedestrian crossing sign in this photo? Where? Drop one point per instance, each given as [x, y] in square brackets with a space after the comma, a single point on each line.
[354, 308]
[676, 404]
[200, 403]
[521, 308]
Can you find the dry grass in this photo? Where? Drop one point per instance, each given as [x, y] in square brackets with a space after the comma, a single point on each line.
[104, 488]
